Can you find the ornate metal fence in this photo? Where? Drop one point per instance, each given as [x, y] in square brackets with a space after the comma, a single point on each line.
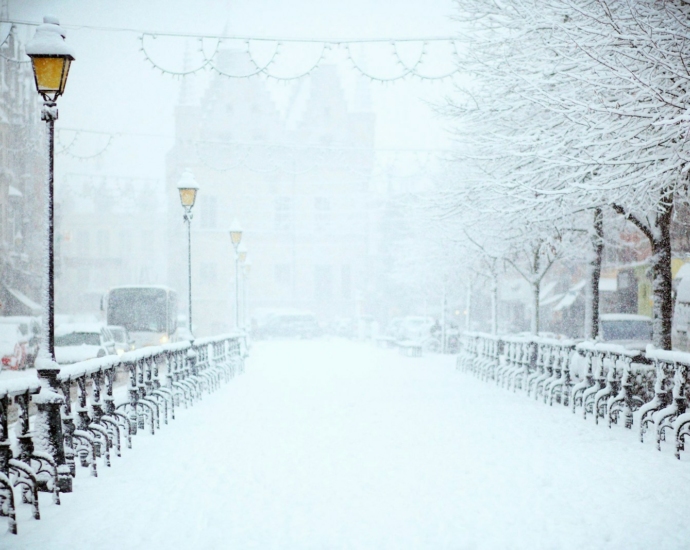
[97, 423]
[647, 391]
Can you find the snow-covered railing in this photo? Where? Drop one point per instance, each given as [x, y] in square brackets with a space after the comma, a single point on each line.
[648, 389]
[94, 420]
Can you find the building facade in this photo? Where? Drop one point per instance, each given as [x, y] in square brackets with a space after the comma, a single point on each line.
[297, 181]
[23, 165]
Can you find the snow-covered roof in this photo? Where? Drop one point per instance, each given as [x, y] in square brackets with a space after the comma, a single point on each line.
[623, 317]
[608, 284]
[69, 328]
[567, 300]
[683, 272]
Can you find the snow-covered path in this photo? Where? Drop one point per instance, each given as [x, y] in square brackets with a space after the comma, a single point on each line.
[331, 444]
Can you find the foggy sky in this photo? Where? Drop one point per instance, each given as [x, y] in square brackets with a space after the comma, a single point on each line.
[112, 88]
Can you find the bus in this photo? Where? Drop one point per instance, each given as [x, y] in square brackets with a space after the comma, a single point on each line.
[148, 312]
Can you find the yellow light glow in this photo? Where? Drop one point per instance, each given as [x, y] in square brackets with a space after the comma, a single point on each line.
[187, 196]
[51, 74]
[164, 339]
[120, 351]
[236, 237]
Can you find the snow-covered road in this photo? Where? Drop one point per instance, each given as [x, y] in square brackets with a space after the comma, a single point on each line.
[331, 444]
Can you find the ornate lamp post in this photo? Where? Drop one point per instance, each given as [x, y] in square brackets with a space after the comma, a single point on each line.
[246, 268]
[50, 57]
[236, 238]
[241, 257]
[188, 188]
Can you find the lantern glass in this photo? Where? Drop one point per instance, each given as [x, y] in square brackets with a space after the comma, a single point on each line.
[243, 255]
[236, 237]
[187, 196]
[51, 73]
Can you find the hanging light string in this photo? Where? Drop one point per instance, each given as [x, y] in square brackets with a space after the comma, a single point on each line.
[267, 69]
[76, 134]
[269, 158]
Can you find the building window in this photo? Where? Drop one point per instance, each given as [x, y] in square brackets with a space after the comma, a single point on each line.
[283, 219]
[346, 282]
[282, 274]
[323, 282]
[209, 208]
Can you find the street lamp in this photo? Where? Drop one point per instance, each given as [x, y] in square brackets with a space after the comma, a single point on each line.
[188, 188]
[51, 57]
[236, 238]
[246, 268]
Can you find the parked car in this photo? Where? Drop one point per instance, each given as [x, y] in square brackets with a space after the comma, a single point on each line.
[290, 325]
[12, 347]
[121, 338]
[76, 342]
[19, 340]
[629, 330]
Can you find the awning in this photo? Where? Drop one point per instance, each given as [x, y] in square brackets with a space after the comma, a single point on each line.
[25, 300]
[608, 284]
[569, 297]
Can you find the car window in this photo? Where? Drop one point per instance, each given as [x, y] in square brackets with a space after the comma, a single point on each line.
[79, 339]
[118, 335]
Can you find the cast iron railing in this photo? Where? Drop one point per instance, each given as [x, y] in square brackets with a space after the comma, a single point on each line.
[98, 421]
[648, 390]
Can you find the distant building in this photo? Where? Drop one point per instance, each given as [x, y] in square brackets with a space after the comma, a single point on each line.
[110, 231]
[23, 167]
[298, 183]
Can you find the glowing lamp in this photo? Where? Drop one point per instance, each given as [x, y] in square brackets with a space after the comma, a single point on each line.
[188, 188]
[236, 232]
[51, 58]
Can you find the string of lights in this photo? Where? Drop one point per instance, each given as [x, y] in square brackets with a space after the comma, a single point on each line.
[76, 134]
[268, 69]
[260, 157]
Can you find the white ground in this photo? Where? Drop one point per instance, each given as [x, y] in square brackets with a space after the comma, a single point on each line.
[338, 445]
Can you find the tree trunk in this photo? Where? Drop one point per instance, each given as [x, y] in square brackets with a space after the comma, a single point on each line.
[535, 308]
[662, 277]
[494, 304]
[468, 305]
[594, 273]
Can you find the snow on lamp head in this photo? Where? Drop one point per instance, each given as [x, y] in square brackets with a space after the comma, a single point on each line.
[51, 58]
[188, 187]
[236, 233]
